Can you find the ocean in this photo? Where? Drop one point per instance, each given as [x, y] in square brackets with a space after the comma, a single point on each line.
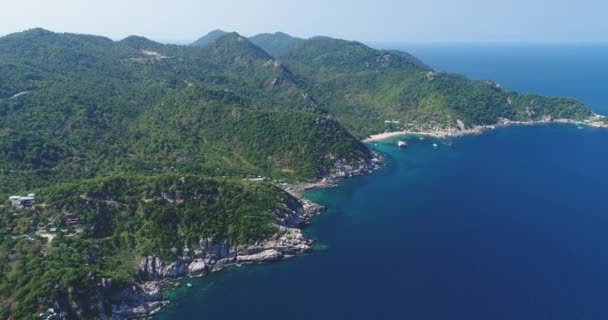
[509, 224]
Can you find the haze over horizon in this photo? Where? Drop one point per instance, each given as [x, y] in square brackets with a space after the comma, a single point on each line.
[183, 21]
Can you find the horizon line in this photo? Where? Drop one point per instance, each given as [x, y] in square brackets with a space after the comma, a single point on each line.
[188, 40]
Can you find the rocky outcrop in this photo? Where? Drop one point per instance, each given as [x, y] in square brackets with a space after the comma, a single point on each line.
[294, 213]
[210, 256]
[268, 255]
[197, 266]
[329, 178]
[342, 169]
[530, 112]
[215, 255]
[461, 125]
[135, 301]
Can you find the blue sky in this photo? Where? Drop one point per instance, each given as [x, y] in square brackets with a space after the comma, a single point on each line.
[364, 20]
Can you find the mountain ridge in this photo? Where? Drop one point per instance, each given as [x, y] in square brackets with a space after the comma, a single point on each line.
[209, 38]
[392, 90]
[277, 44]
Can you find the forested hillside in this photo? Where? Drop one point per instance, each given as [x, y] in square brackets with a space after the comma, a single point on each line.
[80, 106]
[136, 148]
[364, 88]
[109, 224]
[371, 91]
[118, 139]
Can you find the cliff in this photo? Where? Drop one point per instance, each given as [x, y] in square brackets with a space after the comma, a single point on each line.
[211, 256]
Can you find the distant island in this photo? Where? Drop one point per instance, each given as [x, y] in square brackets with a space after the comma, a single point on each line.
[127, 164]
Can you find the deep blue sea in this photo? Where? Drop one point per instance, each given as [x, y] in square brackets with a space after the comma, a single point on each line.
[510, 224]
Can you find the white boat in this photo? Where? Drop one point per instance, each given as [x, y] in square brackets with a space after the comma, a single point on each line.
[189, 285]
[401, 144]
[434, 145]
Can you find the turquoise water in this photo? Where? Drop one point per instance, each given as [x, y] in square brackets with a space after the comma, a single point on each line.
[510, 224]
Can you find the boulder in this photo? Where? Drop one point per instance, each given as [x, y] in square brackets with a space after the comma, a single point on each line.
[197, 266]
[264, 256]
[461, 125]
[176, 269]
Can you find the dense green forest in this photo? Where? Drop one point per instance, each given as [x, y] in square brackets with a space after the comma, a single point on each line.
[147, 145]
[121, 219]
[91, 107]
[364, 87]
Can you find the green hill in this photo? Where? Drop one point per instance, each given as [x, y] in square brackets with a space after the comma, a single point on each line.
[410, 57]
[209, 38]
[119, 220]
[364, 88]
[371, 90]
[80, 107]
[277, 44]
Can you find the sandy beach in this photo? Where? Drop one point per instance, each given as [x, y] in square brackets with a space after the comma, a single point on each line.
[441, 134]
[388, 135]
[594, 121]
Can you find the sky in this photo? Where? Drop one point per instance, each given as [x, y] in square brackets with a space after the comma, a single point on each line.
[363, 20]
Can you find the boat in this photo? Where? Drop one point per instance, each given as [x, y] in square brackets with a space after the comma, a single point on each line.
[189, 285]
[401, 144]
[434, 145]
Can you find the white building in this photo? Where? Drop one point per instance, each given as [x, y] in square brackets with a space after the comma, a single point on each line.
[23, 202]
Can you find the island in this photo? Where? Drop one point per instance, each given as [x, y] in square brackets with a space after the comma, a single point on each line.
[128, 164]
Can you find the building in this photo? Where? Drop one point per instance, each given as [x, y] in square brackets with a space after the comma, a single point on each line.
[70, 219]
[15, 201]
[23, 202]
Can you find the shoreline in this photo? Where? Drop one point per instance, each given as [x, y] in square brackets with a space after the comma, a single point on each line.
[150, 298]
[342, 171]
[594, 121]
[156, 287]
[147, 298]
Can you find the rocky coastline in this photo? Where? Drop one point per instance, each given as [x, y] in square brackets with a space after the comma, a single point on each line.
[145, 298]
[341, 170]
